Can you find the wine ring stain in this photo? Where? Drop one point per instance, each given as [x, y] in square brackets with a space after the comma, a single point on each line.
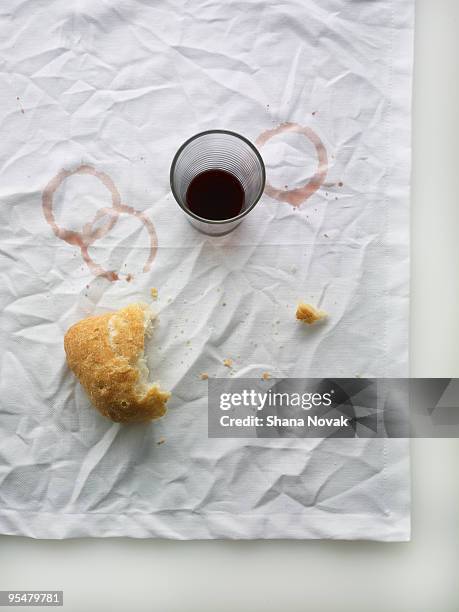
[90, 231]
[296, 197]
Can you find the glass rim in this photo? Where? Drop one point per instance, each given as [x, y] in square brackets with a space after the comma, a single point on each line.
[244, 212]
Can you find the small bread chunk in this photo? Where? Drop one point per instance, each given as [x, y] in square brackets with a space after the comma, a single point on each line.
[106, 354]
[308, 314]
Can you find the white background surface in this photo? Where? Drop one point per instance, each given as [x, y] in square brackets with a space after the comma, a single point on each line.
[298, 576]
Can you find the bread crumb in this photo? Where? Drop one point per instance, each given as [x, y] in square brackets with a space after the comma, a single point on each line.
[266, 376]
[161, 441]
[308, 314]
[204, 376]
[228, 363]
[154, 293]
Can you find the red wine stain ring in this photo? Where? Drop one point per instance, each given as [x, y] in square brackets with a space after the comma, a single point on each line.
[90, 233]
[71, 236]
[296, 197]
[115, 213]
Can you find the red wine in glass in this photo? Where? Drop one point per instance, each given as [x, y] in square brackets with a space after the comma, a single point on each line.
[216, 195]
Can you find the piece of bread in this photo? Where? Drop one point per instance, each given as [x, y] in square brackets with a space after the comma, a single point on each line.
[106, 354]
[308, 314]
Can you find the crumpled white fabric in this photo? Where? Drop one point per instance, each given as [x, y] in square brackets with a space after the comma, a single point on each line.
[107, 92]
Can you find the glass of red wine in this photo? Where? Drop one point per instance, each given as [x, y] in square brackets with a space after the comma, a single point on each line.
[217, 177]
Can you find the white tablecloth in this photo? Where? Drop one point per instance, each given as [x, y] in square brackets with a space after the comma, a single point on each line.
[95, 98]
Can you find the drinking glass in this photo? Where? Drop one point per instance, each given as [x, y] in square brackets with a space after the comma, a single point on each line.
[218, 150]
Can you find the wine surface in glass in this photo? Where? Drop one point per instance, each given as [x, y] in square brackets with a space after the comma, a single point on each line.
[216, 195]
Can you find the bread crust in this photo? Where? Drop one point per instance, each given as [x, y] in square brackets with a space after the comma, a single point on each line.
[102, 351]
[309, 314]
